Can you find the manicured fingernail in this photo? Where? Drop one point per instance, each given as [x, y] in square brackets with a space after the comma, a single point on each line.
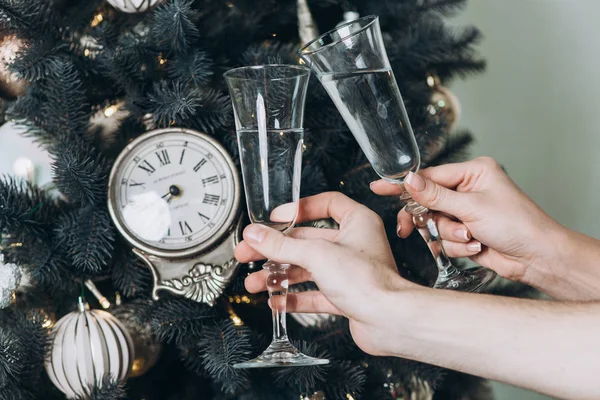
[476, 247]
[254, 234]
[462, 234]
[415, 181]
[398, 229]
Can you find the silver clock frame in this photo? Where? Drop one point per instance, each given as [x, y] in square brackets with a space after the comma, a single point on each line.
[195, 249]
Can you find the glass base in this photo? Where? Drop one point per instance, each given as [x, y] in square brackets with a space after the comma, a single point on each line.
[472, 280]
[281, 353]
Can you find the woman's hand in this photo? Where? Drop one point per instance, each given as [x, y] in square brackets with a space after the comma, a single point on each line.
[353, 266]
[483, 203]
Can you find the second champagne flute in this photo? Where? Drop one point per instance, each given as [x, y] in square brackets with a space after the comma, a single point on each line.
[268, 105]
[352, 65]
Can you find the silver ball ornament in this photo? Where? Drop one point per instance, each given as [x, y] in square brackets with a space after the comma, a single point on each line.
[133, 6]
[86, 346]
[10, 278]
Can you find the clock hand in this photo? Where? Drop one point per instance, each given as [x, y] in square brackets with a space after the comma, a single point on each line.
[173, 192]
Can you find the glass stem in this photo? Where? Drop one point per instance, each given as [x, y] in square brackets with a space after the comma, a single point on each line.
[427, 227]
[277, 285]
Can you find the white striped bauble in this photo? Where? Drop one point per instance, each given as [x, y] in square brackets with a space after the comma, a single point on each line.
[88, 346]
[133, 6]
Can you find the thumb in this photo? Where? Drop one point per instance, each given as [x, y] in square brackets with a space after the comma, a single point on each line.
[275, 245]
[436, 197]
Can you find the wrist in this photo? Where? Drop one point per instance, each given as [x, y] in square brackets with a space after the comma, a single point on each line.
[567, 268]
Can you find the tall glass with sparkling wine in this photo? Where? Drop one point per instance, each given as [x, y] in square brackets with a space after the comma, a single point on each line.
[268, 103]
[352, 64]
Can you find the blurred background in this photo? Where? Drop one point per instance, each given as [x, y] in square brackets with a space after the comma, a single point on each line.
[535, 109]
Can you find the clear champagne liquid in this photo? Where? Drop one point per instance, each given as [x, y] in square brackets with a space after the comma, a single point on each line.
[372, 107]
[271, 168]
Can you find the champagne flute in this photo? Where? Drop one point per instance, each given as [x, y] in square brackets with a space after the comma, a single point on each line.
[268, 103]
[351, 63]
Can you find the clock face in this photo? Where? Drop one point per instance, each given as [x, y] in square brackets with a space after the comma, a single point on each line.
[174, 190]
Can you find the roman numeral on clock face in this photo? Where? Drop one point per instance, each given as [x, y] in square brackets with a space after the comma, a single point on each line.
[211, 180]
[146, 166]
[163, 157]
[211, 199]
[185, 227]
[199, 165]
[204, 218]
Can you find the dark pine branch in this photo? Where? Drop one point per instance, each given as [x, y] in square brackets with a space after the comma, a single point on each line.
[174, 102]
[11, 354]
[130, 275]
[454, 149]
[173, 26]
[25, 210]
[175, 319]
[107, 389]
[79, 172]
[222, 345]
[65, 110]
[196, 69]
[40, 60]
[92, 241]
[306, 379]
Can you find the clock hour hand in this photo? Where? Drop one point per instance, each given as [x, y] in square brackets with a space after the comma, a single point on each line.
[174, 191]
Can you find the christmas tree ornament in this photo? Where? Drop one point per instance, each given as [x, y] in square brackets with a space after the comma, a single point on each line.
[85, 347]
[315, 396]
[10, 86]
[134, 6]
[146, 348]
[174, 195]
[10, 278]
[444, 105]
[414, 389]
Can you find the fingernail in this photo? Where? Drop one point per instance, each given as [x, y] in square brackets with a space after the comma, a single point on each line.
[415, 181]
[372, 184]
[398, 229]
[476, 247]
[254, 234]
[462, 234]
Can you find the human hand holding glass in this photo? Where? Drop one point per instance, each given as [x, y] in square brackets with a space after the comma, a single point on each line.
[351, 63]
[268, 103]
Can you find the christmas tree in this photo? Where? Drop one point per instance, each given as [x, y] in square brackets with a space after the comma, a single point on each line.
[87, 78]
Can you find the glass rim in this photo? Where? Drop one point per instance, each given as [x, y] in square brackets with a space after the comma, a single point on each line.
[372, 19]
[302, 71]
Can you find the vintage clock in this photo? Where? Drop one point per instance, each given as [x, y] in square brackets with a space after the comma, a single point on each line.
[174, 195]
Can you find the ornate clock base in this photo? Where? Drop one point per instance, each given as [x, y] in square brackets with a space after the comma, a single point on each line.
[202, 278]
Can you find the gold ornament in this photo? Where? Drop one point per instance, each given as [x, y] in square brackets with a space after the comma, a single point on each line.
[10, 86]
[315, 396]
[444, 105]
[147, 348]
[416, 389]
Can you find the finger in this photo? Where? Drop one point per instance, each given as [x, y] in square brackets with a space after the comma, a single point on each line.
[314, 233]
[244, 253]
[327, 205]
[436, 197]
[405, 224]
[385, 188]
[459, 250]
[257, 282]
[452, 230]
[448, 175]
[278, 247]
[310, 302]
